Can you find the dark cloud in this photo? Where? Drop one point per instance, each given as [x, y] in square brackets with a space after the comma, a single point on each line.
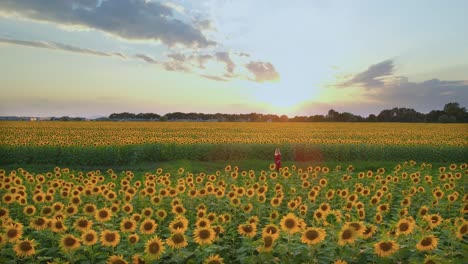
[224, 57]
[387, 90]
[129, 19]
[372, 77]
[176, 66]
[58, 46]
[214, 78]
[263, 71]
[146, 58]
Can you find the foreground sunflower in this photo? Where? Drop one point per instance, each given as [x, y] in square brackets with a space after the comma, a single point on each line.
[386, 248]
[214, 259]
[89, 237]
[148, 226]
[247, 230]
[180, 222]
[346, 236]
[177, 240]
[313, 235]
[268, 243]
[13, 231]
[290, 224]
[405, 226]
[154, 248]
[82, 224]
[103, 215]
[204, 236]
[369, 231]
[38, 223]
[109, 238]
[272, 230]
[427, 243]
[69, 243]
[25, 248]
[116, 259]
[462, 230]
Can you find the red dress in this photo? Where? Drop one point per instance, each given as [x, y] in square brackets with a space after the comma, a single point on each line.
[278, 161]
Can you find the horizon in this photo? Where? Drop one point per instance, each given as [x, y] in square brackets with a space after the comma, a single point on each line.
[85, 58]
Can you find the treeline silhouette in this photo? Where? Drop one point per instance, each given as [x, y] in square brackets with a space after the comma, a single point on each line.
[452, 113]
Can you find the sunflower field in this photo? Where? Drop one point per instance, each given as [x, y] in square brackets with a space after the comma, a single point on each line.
[121, 143]
[412, 213]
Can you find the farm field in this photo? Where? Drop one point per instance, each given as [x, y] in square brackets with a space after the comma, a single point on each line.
[77, 192]
[412, 213]
[122, 143]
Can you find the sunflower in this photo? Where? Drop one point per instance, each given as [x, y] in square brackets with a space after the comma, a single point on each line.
[46, 211]
[313, 235]
[25, 248]
[180, 222]
[386, 248]
[4, 213]
[29, 210]
[154, 248]
[267, 245]
[177, 240]
[202, 222]
[83, 224]
[89, 209]
[57, 225]
[462, 230]
[369, 231]
[359, 227]
[116, 259]
[346, 236]
[423, 210]
[109, 238]
[214, 259]
[127, 225]
[103, 215]
[385, 208]
[433, 220]
[148, 226]
[71, 210]
[339, 261]
[178, 209]
[69, 242]
[147, 212]
[136, 217]
[89, 237]
[161, 214]
[290, 224]
[127, 208]
[405, 226]
[204, 236]
[247, 230]
[38, 223]
[427, 243]
[133, 238]
[271, 229]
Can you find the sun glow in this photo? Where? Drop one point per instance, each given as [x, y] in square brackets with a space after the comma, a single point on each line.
[283, 97]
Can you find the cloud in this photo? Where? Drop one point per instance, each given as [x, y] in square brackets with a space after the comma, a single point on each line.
[129, 19]
[373, 77]
[214, 78]
[263, 71]
[146, 58]
[58, 46]
[224, 57]
[382, 89]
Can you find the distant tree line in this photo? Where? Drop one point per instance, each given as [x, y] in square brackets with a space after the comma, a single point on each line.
[452, 113]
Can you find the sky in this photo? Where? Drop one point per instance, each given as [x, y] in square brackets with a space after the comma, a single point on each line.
[92, 58]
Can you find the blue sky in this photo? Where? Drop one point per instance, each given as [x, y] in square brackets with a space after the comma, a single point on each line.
[94, 57]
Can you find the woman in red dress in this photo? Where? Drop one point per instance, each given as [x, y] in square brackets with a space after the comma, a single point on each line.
[277, 159]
